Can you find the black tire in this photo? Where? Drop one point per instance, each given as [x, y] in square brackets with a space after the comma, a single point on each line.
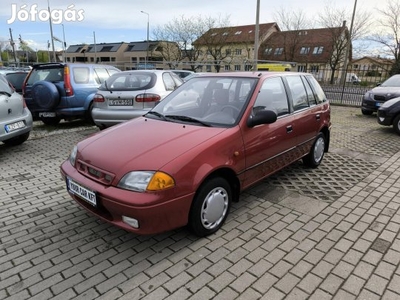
[50, 121]
[210, 206]
[396, 124]
[366, 112]
[88, 114]
[45, 94]
[314, 158]
[18, 140]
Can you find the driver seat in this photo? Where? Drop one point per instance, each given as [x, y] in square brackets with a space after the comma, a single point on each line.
[221, 99]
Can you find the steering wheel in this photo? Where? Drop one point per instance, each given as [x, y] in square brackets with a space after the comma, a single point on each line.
[234, 108]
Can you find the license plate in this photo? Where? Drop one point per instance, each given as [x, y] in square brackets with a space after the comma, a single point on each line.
[14, 126]
[120, 102]
[378, 104]
[81, 192]
[47, 114]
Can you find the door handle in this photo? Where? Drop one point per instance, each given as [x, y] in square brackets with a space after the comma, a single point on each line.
[289, 129]
[318, 117]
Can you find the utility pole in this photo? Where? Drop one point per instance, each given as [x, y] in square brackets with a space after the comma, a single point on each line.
[13, 46]
[256, 36]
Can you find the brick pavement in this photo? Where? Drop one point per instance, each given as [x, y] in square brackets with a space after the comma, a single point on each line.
[329, 233]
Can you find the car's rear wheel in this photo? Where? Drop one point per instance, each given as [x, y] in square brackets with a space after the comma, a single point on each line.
[210, 206]
[18, 140]
[50, 120]
[314, 158]
[366, 112]
[396, 124]
[88, 115]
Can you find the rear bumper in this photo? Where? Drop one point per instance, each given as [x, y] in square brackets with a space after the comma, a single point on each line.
[26, 117]
[107, 118]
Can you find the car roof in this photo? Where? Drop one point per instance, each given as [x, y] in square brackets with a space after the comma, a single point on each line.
[254, 74]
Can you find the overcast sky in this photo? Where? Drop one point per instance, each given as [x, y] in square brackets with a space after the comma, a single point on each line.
[122, 20]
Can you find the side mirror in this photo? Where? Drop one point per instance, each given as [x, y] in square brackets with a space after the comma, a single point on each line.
[262, 117]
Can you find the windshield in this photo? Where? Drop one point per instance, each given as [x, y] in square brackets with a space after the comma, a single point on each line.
[212, 101]
[392, 81]
[4, 86]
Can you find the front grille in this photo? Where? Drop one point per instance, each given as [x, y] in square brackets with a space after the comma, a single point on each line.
[94, 173]
[380, 98]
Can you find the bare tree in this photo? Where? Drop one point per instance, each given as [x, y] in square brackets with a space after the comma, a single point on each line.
[388, 34]
[183, 32]
[290, 22]
[341, 38]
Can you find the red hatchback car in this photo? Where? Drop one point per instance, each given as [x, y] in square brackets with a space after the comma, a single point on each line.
[186, 160]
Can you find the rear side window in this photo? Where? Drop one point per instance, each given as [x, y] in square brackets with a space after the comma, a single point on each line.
[81, 74]
[320, 95]
[168, 82]
[299, 95]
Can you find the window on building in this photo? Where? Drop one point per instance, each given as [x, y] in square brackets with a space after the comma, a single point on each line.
[305, 50]
[355, 66]
[268, 51]
[237, 68]
[238, 51]
[228, 52]
[314, 69]
[238, 32]
[318, 50]
[208, 68]
[278, 51]
[301, 69]
[227, 68]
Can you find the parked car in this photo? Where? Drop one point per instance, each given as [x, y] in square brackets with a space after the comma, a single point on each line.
[389, 114]
[130, 94]
[188, 158]
[17, 79]
[15, 117]
[55, 91]
[385, 91]
[182, 73]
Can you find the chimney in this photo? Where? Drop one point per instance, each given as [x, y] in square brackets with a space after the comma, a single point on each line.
[344, 23]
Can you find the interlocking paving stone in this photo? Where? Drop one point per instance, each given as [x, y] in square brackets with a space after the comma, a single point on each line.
[322, 233]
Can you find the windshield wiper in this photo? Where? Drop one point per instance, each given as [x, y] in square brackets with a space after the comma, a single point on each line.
[5, 93]
[161, 116]
[187, 119]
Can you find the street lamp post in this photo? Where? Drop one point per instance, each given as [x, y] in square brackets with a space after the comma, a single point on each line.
[256, 36]
[64, 44]
[148, 23]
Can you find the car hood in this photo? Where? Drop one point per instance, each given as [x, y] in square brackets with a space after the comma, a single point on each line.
[386, 90]
[142, 144]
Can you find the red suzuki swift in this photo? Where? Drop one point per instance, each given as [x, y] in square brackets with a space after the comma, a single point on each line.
[187, 159]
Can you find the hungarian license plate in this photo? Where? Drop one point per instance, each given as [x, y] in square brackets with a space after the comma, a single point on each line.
[120, 102]
[47, 114]
[82, 192]
[14, 126]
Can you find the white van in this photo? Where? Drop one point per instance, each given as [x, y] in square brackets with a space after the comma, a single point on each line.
[353, 78]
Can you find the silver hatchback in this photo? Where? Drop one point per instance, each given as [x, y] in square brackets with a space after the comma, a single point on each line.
[130, 94]
[15, 117]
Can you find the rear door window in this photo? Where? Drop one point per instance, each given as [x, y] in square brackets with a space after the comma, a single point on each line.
[298, 92]
[101, 74]
[168, 82]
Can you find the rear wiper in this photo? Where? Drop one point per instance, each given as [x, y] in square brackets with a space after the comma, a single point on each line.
[161, 116]
[187, 119]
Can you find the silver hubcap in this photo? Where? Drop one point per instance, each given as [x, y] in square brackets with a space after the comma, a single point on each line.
[214, 208]
[319, 149]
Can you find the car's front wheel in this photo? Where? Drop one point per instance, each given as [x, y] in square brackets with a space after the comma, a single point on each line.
[396, 124]
[366, 112]
[210, 206]
[314, 158]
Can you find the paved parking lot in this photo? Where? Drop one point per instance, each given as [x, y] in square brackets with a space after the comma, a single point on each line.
[328, 233]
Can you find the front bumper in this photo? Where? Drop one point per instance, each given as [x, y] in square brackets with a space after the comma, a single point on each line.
[154, 216]
[384, 117]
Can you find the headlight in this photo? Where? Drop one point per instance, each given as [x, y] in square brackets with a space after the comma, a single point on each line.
[141, 181]
[72, 156]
